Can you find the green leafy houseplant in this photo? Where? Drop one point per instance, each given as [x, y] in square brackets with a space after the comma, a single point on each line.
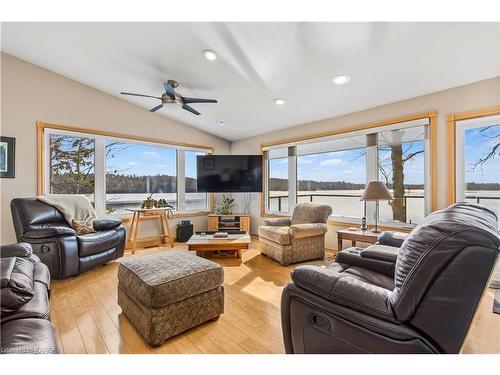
[225, 206]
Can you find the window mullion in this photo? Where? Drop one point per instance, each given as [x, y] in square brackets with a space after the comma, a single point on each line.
[292, 178]
[371, 175]
[181, 180]
[100, 176]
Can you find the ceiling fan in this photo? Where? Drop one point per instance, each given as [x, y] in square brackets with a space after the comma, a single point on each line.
[170, 96]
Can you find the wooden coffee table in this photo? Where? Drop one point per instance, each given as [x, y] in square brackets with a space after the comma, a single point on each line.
[233, 243]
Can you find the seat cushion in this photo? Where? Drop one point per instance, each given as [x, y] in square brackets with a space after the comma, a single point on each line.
[279, 235]
[28, 336]
[93, 243]
[37, 307]
[161, 279]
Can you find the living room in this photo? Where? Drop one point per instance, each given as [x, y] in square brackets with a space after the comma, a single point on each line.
[250, 187]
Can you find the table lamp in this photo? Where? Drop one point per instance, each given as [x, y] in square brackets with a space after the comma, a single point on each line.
[375, 191]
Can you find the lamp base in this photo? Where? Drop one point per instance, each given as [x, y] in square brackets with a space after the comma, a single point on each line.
[376, 231]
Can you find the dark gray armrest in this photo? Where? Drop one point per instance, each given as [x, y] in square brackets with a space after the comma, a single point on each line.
[106, 224]
[381, 252]
[394, 239]
[21, 249]
[355, 258]
[345, 290]
[48, 232]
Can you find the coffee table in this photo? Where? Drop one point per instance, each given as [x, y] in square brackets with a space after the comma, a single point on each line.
[233, 243]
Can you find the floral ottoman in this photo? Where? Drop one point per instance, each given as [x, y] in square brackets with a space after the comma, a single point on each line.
[168, 293]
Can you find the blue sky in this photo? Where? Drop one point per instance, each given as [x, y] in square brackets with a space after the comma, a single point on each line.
[139, 159]
[477, 145]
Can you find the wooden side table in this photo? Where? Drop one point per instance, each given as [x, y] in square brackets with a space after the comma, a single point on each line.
[161, 213]
[356, 235]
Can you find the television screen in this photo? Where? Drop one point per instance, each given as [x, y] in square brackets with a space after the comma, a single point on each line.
[229, 173]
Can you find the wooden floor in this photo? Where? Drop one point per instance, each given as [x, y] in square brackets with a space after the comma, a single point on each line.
[88, 319]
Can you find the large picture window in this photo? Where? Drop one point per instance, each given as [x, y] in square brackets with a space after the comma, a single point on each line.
[134, 171]
[335, 169]
[118, 173]
[478, 161]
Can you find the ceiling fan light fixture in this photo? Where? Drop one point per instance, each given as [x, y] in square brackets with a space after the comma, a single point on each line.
[279, 101]
[209, 54]
[341, 79]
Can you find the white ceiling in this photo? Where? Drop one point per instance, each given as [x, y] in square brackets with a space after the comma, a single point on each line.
[258, 62]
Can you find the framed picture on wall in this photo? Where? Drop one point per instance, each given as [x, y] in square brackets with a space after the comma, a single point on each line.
[7, 157]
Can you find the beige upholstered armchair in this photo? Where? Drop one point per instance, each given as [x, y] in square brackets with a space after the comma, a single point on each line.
[297, 239]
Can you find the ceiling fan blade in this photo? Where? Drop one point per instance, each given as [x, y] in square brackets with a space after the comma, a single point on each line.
[156, 108]
[146, 96]
[197, 100]
[190, 109]
[169, 90]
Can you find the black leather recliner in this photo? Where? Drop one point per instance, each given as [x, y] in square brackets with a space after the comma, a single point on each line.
[425, 304]
[55, 242]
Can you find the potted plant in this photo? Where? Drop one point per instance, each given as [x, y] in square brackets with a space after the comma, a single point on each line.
[225, 206]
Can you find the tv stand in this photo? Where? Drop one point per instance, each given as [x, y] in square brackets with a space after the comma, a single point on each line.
[229, 223]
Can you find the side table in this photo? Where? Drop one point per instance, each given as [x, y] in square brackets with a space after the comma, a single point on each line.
[163, 214]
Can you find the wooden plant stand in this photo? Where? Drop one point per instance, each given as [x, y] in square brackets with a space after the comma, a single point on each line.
[162, 214]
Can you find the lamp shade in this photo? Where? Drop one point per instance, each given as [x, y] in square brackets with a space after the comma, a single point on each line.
[374, 191]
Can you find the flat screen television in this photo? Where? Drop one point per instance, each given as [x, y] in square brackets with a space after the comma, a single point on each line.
[229, 173]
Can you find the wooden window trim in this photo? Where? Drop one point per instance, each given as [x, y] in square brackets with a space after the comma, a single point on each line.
[451, 129]
[431, 115]
[41, 126]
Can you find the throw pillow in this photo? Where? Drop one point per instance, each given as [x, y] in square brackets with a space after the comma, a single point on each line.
[83, 227]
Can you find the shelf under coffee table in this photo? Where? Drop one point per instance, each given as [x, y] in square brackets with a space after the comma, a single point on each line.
[233, 243]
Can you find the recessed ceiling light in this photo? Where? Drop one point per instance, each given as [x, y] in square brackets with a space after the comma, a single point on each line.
[209, 54]
[341, 80]
[279, 101]
[220, 122]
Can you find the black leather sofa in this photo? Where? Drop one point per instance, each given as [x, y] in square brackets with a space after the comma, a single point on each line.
[55, 242]
[25, 326]
[419, 298]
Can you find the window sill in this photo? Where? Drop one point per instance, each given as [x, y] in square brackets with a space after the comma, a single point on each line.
[176, 215]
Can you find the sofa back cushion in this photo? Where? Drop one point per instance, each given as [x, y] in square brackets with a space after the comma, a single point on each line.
[431, 252]
[30, 212]
[304, 213]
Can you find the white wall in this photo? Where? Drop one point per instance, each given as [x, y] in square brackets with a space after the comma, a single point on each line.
[30, 93]
[478, 95]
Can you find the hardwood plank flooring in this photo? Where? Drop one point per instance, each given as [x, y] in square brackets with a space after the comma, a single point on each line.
[88, 319]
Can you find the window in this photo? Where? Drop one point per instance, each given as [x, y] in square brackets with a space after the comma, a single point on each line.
[335, 169]
[194, 200]
[71, 165]
[118, 173]
[136, 170]
[334, 178]
[478, 161]
[278, 184]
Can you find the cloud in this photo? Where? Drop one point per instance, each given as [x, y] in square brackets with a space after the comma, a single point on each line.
[152, 154]
[132, 163]
[304, 161]
[283, 161]
[160, 165]
[331, 162]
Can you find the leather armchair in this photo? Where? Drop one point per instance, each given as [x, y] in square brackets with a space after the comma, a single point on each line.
[426, 306]
[296, 239]
[25, 309]
[56, 243]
